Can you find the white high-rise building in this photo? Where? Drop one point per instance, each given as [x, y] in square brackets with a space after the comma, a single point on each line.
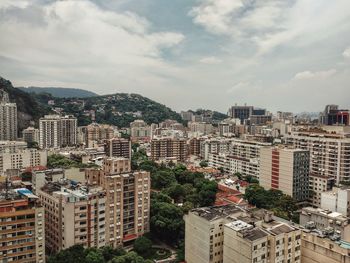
[8, 119]
[329, 158]
[57, 131]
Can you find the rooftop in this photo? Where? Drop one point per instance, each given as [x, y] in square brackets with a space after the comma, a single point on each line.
[216, 212]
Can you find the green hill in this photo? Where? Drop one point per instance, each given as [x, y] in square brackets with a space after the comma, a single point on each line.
[60, 92]
[117, 109]
[28, 107]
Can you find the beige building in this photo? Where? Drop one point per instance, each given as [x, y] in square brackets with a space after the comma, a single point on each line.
[57, 131]
[164, 149]
[321, 249]
[285, 169]
[128, 200]
[8, 118]
[243, 243]
[139, 130]
[73, 215]
[118, 147]
[30, 134]
[230, 234]
[200, 127]
[16, 155]
[22, 228]
[97, 133]
[204, 233]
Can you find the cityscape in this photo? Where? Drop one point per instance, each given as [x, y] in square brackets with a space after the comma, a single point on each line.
[138, 174]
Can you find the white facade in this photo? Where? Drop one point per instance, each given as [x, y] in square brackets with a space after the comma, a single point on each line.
[337, 200]
[15, 155]
[57, 131]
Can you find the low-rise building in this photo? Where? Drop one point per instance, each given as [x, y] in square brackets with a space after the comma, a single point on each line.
[325, 220]
[337, 200]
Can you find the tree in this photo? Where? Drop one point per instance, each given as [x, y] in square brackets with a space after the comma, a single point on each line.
[142, 246]
[239, 175]
[109, 252]
[71, 255]
[203, 163]
[166, 221]
[94, 256]
[176, 191]
[162, 179]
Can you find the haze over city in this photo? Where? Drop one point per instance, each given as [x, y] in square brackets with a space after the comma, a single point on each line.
[281, 55]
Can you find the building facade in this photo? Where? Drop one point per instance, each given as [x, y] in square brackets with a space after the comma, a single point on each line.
[127, 200]
[164, 149]
[286, 170]
[329, 159]
[30, 135]
[73, 216]
[8, 120]
[57, 131]
[118, 147]
[22, 231]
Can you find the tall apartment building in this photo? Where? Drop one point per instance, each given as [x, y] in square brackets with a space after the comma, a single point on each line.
[186, 115]
[285, 169]
[240, 156]
[139, 130]
[168, 149]
[16, 155]
[8, 118]
[241, 112]
[230, 234]
[260, 119]
[118, 147]
[57, 131]
[329, 159]
[194, 145]
[214, 146]
[96, 133]
[337, 200]
[332, 115]
[204, 233]
[22, 227]
[30, 134]
[127, 200]
[73, 215]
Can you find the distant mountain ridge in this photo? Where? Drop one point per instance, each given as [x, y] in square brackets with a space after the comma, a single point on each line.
[116, 109]
[60, 92]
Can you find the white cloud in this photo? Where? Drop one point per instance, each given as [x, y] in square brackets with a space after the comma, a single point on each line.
[306, 75]
[346, 53]
[271, 23]
[215, 15]
[76, 41]
[210, 60]
[13, 3]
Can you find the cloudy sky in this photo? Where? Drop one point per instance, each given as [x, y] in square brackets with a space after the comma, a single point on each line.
[291, 55]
